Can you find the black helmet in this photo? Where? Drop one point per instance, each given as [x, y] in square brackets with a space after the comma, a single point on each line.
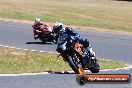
[69, 30]
[86, 43]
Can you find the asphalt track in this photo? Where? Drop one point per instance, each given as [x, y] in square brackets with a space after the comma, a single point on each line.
[107, 45]
[56, 81]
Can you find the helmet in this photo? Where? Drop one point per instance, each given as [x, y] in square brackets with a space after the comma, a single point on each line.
[58, 27]
[86, 43]
[37, 20]
[68, 30]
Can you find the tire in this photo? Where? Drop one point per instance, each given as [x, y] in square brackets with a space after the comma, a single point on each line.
[95, 67]
[81, 80]
[94, 70]
[72, 65]
[44, 41]
[41, 38]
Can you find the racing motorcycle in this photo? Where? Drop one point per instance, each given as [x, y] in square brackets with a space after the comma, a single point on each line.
[72, 52]
[44, 35]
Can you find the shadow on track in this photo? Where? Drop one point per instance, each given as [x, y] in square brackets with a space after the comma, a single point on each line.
[40, 43]
[65, 72]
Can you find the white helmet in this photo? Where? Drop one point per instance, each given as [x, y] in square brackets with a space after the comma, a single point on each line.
[58, 27]
[37, 20]
[58, 24]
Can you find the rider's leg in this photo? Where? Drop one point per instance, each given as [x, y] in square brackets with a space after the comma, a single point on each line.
[87, 49]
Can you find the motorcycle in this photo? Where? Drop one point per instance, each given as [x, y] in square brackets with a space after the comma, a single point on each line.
[72, 52]
[44, 35]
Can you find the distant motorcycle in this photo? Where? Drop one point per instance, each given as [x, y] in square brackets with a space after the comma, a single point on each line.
[44, 35]
[72, 52]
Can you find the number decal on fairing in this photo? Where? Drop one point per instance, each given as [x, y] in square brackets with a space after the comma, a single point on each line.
[78, 48]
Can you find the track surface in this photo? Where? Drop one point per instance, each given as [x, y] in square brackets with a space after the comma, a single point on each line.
[106, 44]
[56, 81]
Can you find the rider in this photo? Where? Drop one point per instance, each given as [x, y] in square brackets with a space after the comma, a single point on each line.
[83, 41]
[40, 27]
[59, 28]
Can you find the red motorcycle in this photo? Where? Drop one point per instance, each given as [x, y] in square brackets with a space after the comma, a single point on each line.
[44, 34]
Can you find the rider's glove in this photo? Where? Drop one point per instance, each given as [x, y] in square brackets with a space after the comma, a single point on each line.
[72, 38]
[38, 31]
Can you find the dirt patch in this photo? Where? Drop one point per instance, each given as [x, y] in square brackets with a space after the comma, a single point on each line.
[81, 27]
[16, 20]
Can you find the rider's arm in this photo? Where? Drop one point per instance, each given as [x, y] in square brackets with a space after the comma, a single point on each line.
[36, 28]
[38, 31]
[76, 35]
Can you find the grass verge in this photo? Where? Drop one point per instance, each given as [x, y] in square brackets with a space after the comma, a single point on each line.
[107, 14]
[19, 61]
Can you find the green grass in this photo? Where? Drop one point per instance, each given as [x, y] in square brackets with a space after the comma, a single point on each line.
[19, 61]
[104, 64]
[91, 13]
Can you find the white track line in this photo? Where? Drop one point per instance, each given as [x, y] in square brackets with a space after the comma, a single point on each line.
[1, 45]
[12, 47]
[24, 74]
[26, 49]
[41, 51]
[7, 46]
[124, 68]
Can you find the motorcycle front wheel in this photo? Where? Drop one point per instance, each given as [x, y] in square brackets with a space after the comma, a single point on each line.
[95, 67]
[74, 63]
